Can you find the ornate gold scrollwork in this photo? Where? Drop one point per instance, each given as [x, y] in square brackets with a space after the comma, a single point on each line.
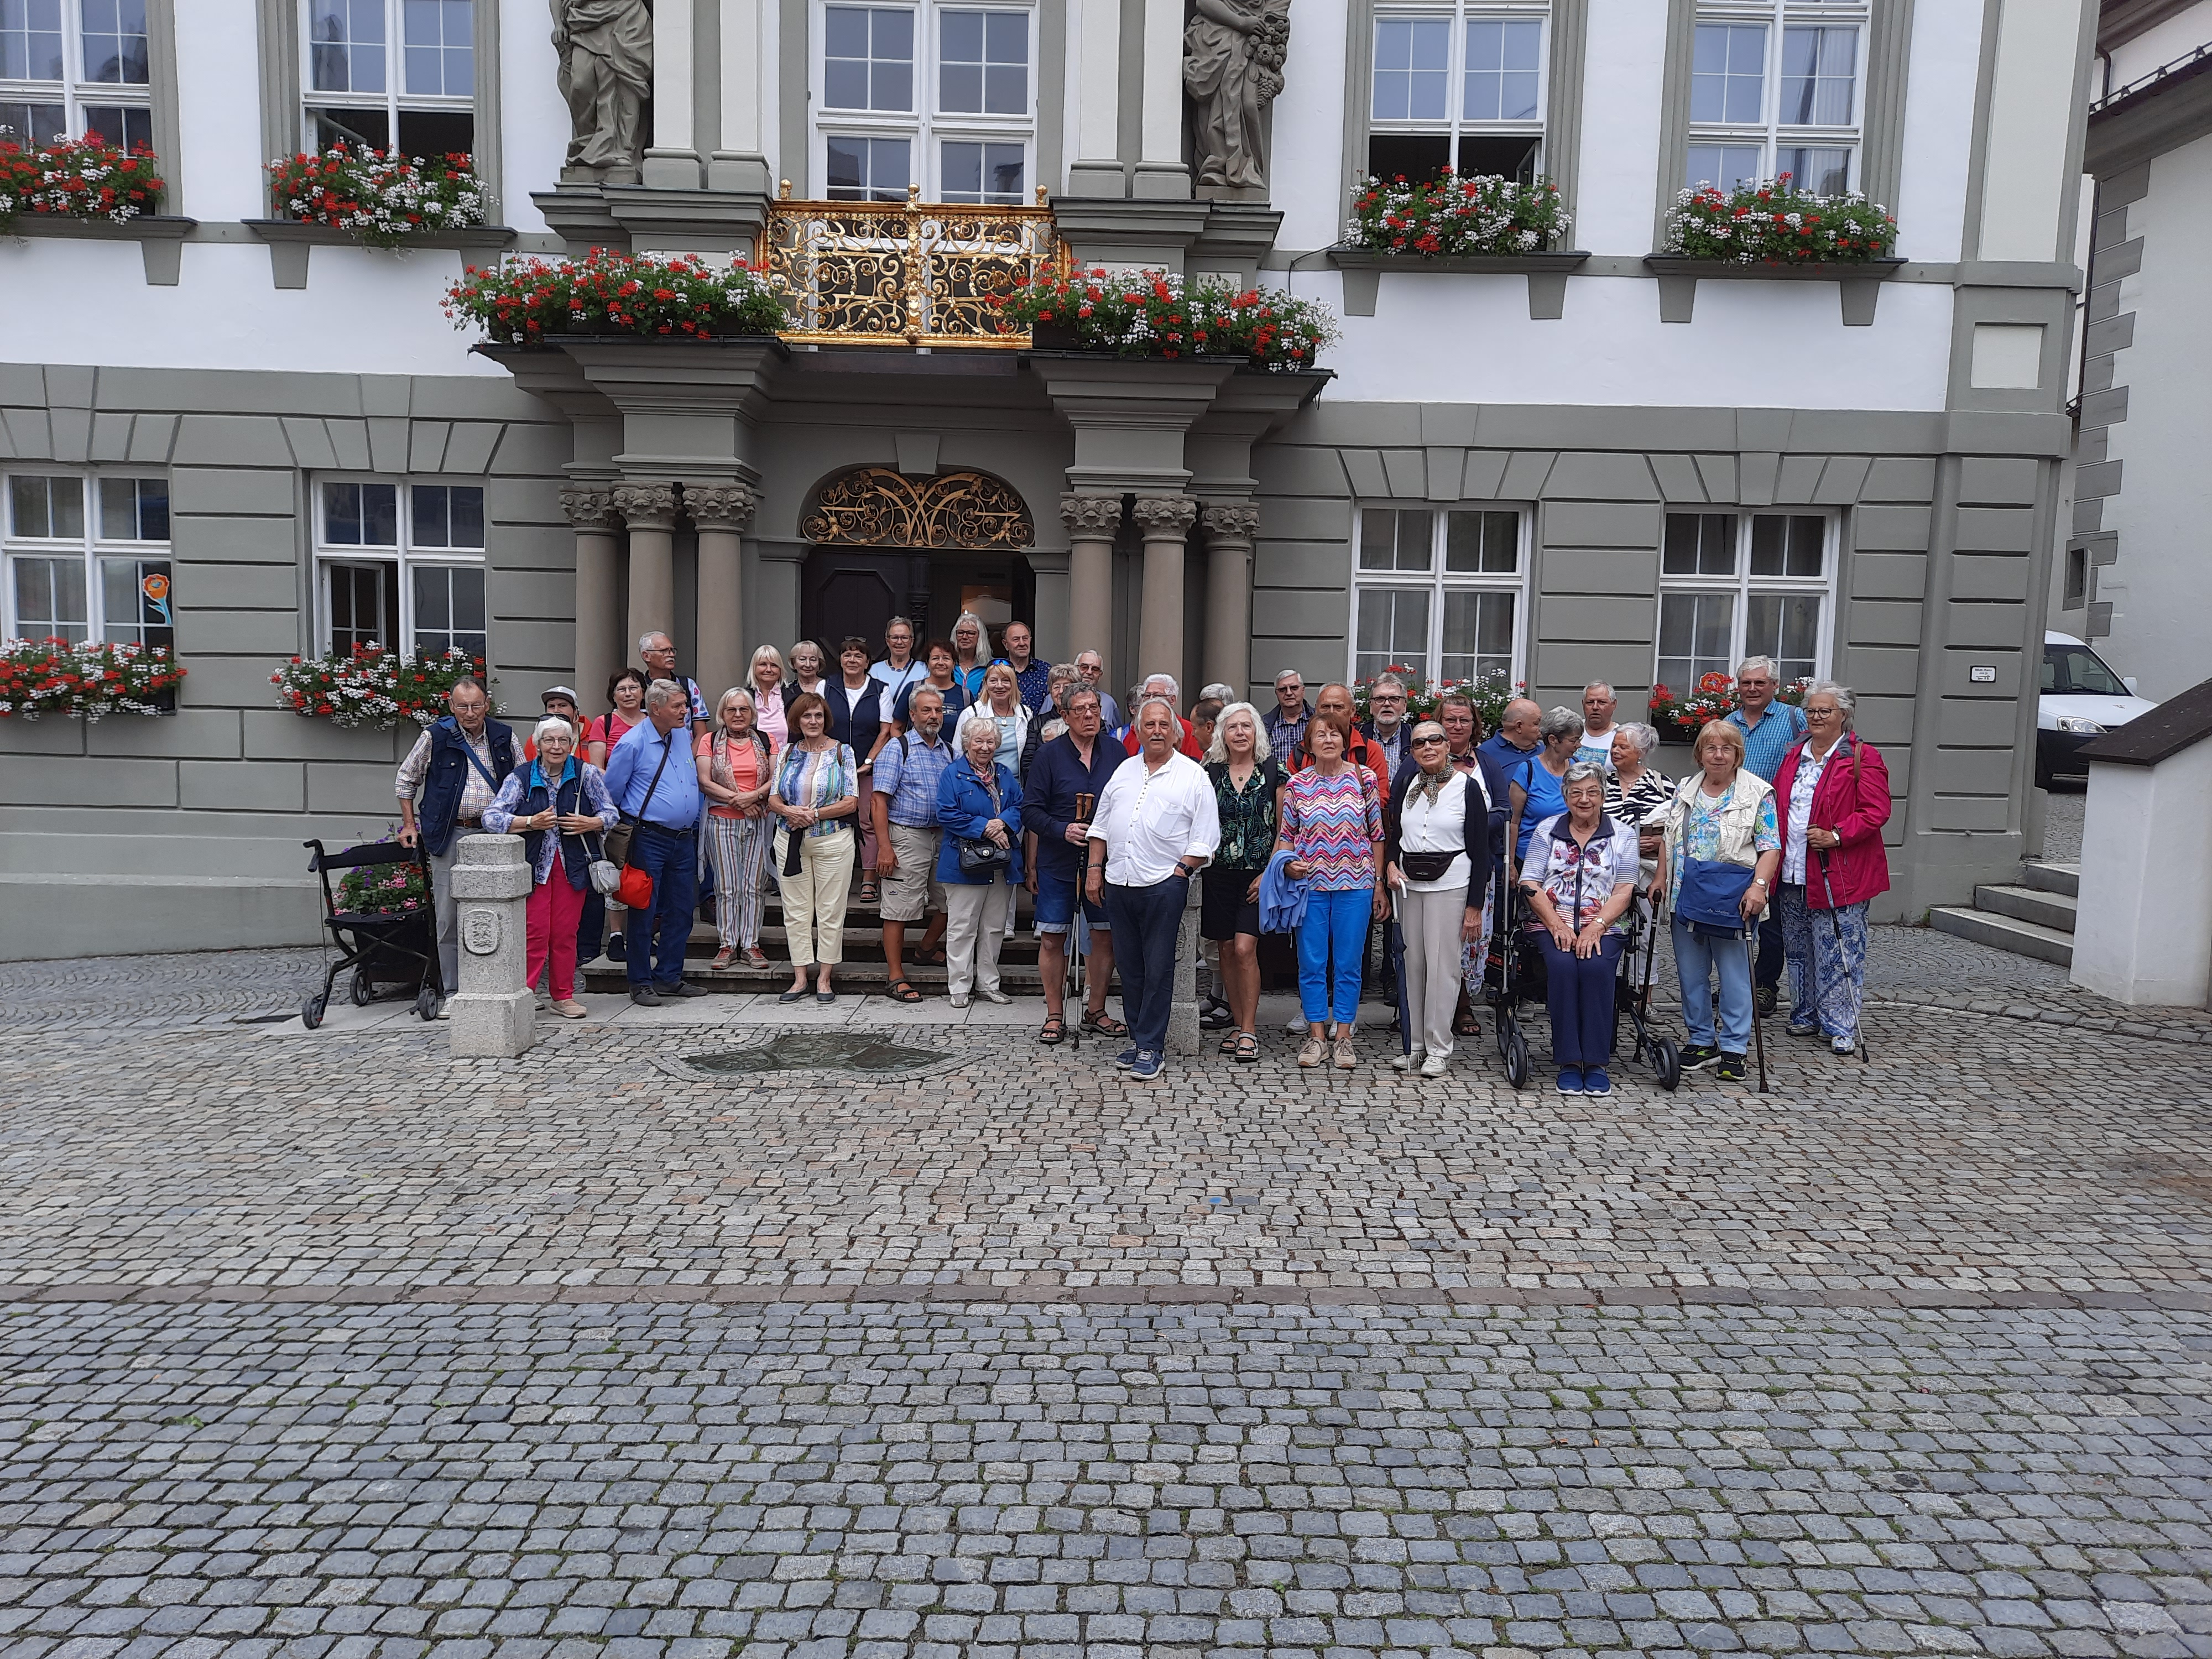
[911, 274]
[879, 506]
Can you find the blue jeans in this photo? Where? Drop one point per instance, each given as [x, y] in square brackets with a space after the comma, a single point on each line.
[1144, 921]
[1696, 958]
[1334, 925]
[1578, 995]
[669, 857]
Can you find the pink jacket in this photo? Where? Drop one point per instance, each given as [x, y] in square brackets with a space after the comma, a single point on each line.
[1852, 798]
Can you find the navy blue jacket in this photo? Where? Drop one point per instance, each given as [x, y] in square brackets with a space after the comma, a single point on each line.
[447, 775]
[1056, 776]
[857, 726]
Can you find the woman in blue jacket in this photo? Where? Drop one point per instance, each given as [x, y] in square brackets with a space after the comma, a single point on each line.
[979, 804]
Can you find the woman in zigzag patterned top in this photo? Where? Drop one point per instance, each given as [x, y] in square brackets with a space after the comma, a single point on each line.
[1332, 826]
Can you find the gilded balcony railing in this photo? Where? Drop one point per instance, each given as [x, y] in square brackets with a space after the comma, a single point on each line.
[916, 273]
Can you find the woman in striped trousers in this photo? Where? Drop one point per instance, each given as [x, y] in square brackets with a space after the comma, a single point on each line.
[736, 772]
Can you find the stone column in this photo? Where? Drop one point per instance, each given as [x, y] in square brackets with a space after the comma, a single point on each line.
[721, 511]
[493, 1014]
[1161, 172]
[1165, 522]
[1182, 1012]
[600, 651]
[1092, 522]
[1229, 533]
[650, 510]
[672, 160]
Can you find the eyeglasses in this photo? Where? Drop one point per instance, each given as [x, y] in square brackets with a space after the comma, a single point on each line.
[1423, 742]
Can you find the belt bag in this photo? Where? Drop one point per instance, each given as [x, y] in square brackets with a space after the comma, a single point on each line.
[1426, 866]
[1712, 894]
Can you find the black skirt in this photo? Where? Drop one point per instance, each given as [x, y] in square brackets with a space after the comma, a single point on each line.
[1224, 911]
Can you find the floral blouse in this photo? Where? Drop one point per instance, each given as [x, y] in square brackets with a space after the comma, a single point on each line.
[1579, 880]
[1248, 815]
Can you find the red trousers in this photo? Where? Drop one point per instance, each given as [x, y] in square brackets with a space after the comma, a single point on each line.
[559, 908]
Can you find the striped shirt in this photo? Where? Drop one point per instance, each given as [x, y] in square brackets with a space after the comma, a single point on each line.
[1767, 744]
[1331, 824]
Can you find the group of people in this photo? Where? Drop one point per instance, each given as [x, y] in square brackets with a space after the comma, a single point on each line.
[941, 775]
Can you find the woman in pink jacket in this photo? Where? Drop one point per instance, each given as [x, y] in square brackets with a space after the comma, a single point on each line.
[1833, 791]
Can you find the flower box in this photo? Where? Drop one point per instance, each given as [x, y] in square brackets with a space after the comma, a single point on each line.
[1490, 693]
[1858, 283]
[1153, 314]
[89, 189]
[291, 242]
[160, 238]
[1680, 719]
[1771, 229]
[382, 199]
[371, 686]
[87, 680]
[1546, 275]
[524, 302]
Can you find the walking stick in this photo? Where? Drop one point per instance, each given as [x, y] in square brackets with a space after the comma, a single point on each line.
[1757, 1030]
[1397, 937]
[1836, 930]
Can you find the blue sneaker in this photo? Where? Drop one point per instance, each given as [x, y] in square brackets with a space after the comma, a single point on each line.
[1596, 1082]
[1148, 1066]
[1126, 1059]
[1571, 1080]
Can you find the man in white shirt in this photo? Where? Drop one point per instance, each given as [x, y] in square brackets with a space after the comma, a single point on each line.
[1598, 705]
[1155, 827]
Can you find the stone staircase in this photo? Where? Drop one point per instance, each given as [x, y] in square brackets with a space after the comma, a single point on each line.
[2034, 916]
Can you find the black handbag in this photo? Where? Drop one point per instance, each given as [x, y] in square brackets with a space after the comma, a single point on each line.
[1426, 866]
[985, 859]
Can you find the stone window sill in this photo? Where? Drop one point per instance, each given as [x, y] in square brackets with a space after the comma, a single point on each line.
[1858, 285]
[1546, 275]
[291, 242]
[160, 238]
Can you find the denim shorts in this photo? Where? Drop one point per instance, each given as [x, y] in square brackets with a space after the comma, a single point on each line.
[1056, 904]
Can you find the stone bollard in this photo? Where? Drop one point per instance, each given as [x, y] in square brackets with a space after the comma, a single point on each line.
[1182, 1013]
[493, 1012]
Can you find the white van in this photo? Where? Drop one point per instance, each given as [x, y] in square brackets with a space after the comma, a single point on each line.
[2081, 699]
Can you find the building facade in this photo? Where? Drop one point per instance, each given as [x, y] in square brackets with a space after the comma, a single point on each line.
[2126, 575]
[1608, 465]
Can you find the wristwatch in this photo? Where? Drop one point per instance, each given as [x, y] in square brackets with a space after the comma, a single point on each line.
[1184, 870]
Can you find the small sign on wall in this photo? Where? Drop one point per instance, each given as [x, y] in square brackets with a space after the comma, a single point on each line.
[1983, 673]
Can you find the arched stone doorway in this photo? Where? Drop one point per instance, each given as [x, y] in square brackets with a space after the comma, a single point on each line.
[886, 544]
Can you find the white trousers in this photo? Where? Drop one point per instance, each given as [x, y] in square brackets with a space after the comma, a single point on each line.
[973, 930]
[1430, 923]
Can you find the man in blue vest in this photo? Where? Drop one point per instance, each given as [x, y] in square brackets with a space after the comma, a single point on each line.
[457, 766]
[652, 776]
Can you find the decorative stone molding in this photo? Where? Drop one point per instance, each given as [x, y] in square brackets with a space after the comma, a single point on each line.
[720, 505]
[590, 509]
[1230, 523]
[647, 507]
[1090, 515]
[1162, 516]
[877, 507]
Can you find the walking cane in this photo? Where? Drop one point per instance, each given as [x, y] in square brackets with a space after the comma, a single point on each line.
[1397, 937]
[1757, 1030]
[1836, 929]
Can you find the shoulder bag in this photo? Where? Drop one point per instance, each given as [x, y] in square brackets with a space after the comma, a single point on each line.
[618, 838]
[1711, 894]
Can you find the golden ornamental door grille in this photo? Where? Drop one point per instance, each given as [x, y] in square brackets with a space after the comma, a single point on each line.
[879, 506]
[916, 273]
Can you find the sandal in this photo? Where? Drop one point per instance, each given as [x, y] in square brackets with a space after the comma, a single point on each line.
[868, 891]
[1104, 1024]
[900, 990]
[1229, 1042]
[1248, 1047]
[1467, 1025]
[934, 958]
[1054, 1032]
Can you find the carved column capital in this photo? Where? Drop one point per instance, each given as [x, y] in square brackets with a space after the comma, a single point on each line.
[1228, 522]
[590, 509]
[1090, 515]
[720, 505]
[1162, 516]
[647, 507]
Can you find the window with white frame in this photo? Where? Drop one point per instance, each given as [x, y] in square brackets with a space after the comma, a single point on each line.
[88, 558]
[1737, 584]
[1439, 591]
[390, 74]
[72, 67]
[401, 565]
[1775, 88]
[1459, 85]
[940, 96]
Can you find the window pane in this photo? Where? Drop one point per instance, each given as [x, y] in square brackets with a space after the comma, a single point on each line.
[46, 508]
[134, 509]
[345, 51]
[447, 516]
[437, 131]
[429, 502]
[440, 37]
[868, 169]
[31, 40]
[1790, 545]
[371, 127]
[890, 50]
[975, 171]
[1393, 631]
[134, 602]
[1478, 635]
[1820, 68]
[1727, 72]
[361, 514]
[1395, 539]
[50, 598]
[1411, 56]
[449, 609]
[1785, 626]
[1724, 165]
[115, 42]
[1824, 169]
[1487, 543]
[1693, 637]
[127, 126]
[1502, 70]
[1699, 544]
[29, 124]
[357, 605]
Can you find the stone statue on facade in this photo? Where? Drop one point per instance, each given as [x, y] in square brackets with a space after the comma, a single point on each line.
[1232, 67]
[605, 50]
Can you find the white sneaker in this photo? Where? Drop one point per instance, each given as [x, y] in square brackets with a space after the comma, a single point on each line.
[1435, 1065]
[959, 1002]
[1406, 1062]
[993, 994]
[1294, 1026]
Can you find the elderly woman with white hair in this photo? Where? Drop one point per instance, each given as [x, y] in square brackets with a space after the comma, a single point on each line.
[560, 807]
[1579, 876]
[1833, 796]
[979, 861]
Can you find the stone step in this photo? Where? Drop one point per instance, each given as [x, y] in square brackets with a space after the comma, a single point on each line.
[860, 943]
[857, 975]
[2050, 877]
[2046, 909]
[2027, 939]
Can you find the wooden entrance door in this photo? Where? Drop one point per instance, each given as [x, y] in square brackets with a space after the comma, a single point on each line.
[857, 590]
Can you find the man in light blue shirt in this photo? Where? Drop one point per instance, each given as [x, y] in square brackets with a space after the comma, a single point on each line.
[1771, 730]
[1598, 703]
[652, 776]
